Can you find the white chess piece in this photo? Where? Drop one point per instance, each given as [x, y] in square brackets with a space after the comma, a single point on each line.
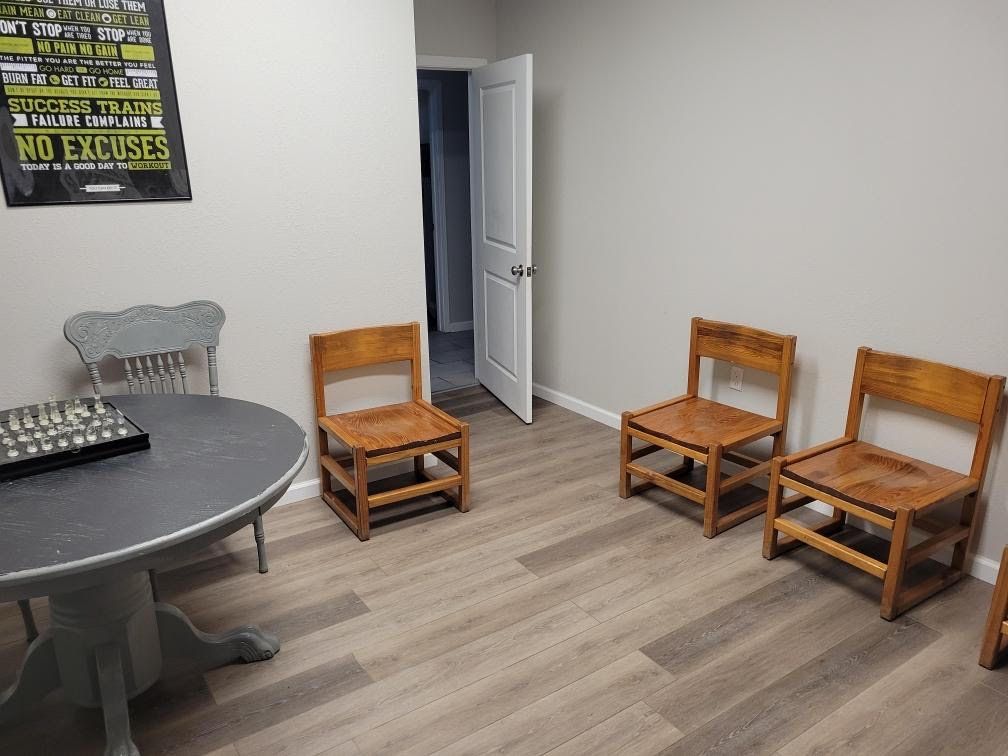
[13, 422]
[27, 420]
[43, 418]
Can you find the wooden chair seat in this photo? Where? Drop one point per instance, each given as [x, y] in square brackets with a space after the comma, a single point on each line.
[391, 428]
[699, 423]
[879, 480]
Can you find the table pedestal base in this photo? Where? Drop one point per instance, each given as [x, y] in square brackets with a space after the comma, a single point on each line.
[106, 646]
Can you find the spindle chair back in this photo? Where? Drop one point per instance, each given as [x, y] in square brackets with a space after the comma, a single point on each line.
[151, 342]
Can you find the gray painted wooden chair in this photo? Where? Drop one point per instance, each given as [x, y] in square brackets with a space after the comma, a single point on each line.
[149, 342]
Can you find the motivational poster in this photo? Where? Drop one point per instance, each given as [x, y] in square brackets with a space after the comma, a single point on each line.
[88, 110]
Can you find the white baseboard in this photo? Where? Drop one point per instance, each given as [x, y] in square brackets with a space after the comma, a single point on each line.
[984, 569]
[980, 567]
[306, 489]
[576, 405]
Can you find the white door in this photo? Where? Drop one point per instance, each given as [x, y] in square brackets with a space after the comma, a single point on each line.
[500, 137]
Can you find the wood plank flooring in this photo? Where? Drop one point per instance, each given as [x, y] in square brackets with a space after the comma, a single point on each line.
[552, 618]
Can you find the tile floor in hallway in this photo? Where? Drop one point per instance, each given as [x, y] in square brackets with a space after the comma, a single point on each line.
[451, 360]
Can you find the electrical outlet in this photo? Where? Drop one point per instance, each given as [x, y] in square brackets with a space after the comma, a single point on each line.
[735, 381]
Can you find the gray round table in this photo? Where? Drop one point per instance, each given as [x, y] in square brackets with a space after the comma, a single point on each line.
[86, 536]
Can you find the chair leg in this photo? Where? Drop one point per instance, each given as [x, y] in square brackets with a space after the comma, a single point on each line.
[464, 494]
[774, 496]
[260, 539]
[361, 494]
[990, 651]
[892, 585]
[31, 631]
[966, 518]
[713, 491]
[155, 591]
[626, 445]
[325, 479]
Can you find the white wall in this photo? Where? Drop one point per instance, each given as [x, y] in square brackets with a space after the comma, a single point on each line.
[301, 133]
[456, 28]
[833, 170]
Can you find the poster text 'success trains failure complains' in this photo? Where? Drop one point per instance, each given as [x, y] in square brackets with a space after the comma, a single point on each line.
[88, 110]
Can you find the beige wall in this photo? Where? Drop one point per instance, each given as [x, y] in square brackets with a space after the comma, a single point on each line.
[456, 28]
[833, 170]
[306, 217]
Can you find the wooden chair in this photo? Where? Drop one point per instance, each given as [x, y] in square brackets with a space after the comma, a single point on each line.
[884, 487]
[992, 652]
[704, 431]
[151, 342]
[381, 435]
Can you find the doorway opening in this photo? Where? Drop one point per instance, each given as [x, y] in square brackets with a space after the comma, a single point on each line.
[480, 277]
[445, 172]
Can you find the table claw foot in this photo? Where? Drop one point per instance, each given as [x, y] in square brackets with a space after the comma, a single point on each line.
[39, 676]
[118, 741]
[180, 639]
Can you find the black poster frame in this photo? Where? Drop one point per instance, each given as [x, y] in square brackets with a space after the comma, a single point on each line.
[169, 185]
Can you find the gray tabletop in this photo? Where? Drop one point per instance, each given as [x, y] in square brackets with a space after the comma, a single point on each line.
[213, 464]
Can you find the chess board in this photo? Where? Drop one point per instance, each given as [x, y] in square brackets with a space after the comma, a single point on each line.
[53, 435]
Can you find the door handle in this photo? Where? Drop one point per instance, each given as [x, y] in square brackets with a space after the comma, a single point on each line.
[518, 270]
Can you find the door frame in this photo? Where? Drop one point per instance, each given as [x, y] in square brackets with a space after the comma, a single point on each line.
[438, 202]
[446, 63]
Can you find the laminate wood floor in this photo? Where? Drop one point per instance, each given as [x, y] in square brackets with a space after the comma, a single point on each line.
[553, 618]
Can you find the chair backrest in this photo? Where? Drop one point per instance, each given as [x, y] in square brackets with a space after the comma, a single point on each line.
[343, 350]
[942, 388]
[749, 347]
[150, 340]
